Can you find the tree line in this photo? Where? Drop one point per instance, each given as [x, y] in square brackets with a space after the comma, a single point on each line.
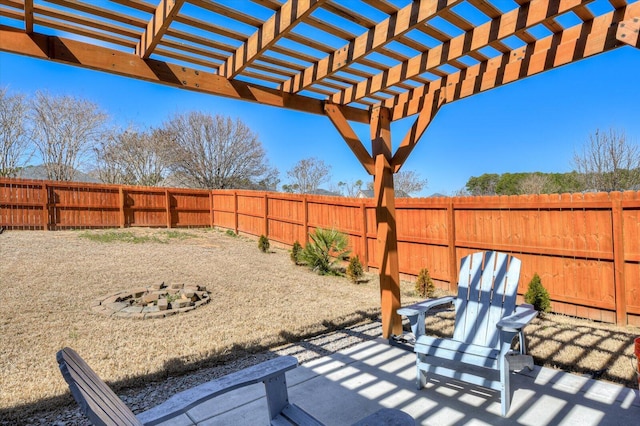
[193, 149]
[66, 134]
[199, 150]
[608, 161]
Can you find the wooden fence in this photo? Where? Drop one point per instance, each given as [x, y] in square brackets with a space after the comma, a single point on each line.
[585, 247]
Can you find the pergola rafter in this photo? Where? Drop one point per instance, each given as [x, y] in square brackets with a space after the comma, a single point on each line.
[512, 23]
[274, 28]
[365, 61]
[390, 29]
[164, 14]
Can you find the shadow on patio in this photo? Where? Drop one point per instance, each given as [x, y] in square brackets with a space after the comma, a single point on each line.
[350, 384]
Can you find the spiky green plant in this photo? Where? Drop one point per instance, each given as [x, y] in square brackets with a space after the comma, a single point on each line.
[325, 250]
[537, 295]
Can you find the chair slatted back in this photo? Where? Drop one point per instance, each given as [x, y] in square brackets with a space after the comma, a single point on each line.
[487, 290]
[96, 400]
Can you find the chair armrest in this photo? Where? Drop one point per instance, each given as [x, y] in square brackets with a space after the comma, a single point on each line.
[417, 312]
[522, 316]
[184, 401]
[423, 307]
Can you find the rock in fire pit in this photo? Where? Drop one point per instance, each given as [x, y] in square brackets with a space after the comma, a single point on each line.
[155, 301]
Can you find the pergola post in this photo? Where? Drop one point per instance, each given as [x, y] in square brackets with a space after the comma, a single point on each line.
[382, 164]
[386, 234]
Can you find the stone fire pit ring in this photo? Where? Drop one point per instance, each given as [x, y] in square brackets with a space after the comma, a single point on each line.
[155, 301]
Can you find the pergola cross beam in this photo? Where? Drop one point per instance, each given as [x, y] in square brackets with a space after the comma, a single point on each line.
[572, 44]
[277, 26]
[165, 13]
[401, 22]
[28, 16]
[511, 23]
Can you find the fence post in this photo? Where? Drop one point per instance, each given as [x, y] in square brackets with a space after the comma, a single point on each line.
[363, 209]
[453, 261]
[167, 201]
[266, 215]
[123, 219]
[617, 220]
[211, 208]
[45, 207]
[235, 211]
[305, 207]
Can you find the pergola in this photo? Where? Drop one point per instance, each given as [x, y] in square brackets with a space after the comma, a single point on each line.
[359, 61]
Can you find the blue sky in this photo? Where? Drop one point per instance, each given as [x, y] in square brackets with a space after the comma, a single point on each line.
[532, 125]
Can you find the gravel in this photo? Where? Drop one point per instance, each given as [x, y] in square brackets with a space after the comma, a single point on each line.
[143, 398]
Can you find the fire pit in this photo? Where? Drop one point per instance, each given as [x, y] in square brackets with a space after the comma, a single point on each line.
[155, 301]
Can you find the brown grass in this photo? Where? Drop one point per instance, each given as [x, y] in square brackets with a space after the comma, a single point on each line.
[48, 280]
[258, 300]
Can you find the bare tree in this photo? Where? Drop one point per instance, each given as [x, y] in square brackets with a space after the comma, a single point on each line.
[407, 181]
[132, 157]
[308, 174]
[65, 131]
[15, 147]
[350, 188]
[609, 162]
[217, 152]
[534, 183]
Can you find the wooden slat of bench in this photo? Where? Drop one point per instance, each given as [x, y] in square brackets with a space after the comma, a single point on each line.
[96, 399]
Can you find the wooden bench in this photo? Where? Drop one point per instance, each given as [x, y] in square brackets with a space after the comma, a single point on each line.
[103, 407]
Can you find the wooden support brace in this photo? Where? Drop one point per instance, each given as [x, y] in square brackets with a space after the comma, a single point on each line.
[342, 125]
[432, 103]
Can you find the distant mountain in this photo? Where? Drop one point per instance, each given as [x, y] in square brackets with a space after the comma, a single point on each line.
[40, 173]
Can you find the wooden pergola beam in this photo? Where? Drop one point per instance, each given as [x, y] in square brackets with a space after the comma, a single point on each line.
[157, 26]
[431, 106]
[629, 32]
[353, 141]
[277, 26]
[28, 16]
[72, 52]
[578, 42]
[404, 20]
[511, 23]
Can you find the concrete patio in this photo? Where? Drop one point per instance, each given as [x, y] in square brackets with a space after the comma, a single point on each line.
[343, 387]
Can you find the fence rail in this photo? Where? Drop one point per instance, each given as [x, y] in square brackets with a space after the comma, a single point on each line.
[585, 247]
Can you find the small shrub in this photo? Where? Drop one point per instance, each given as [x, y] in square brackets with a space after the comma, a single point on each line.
[296, 251]
[326, 248]
[263, 244]
[354, 270]
[231, 233]
[537, 295]
[424, 284]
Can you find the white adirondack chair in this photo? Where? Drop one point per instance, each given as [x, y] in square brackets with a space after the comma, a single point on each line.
[486, 322]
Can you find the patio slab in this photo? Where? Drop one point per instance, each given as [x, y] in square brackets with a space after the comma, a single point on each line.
[344, 387]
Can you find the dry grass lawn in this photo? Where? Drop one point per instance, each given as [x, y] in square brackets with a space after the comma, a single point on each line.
[258, 300]
[48, 280]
